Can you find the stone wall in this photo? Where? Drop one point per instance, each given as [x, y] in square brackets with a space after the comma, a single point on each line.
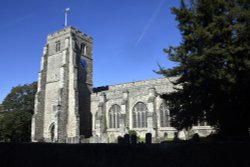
[127, 96]
[62, 104]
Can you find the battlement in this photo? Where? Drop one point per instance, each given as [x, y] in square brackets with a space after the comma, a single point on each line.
[69, 29]
[128, 85]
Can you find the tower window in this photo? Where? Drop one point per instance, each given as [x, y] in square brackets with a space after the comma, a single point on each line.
[84, 49]
[58, 46]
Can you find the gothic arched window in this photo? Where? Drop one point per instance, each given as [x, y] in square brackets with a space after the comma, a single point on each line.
[114, 116]
[140, 115]
[164, 116]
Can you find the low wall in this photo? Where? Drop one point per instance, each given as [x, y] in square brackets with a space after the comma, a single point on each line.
[114, 155]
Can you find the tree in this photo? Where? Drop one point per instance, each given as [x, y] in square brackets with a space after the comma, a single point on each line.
[17, 107]
[21, 98]
[15, 126]
[213, 66]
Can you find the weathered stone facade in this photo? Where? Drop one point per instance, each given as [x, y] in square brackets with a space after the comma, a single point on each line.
[68, 109]
[127, 96]
[62, 104]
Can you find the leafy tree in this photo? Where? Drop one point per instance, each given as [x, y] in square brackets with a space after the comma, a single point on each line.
[21, 98]
[15, 126]
[17, 107]
[213, 66]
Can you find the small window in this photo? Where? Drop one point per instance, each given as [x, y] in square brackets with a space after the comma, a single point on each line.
[84, 49]
[58, 46]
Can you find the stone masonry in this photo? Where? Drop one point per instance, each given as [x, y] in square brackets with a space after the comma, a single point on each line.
[64, 87]
[68, 109]
[127, 96]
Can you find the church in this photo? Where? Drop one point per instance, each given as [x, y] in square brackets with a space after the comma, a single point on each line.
[69, 110]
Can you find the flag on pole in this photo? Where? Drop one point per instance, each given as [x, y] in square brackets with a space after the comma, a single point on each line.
[67, 9]
[66, 17]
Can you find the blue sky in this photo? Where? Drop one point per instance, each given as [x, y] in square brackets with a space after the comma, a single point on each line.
[128, 37]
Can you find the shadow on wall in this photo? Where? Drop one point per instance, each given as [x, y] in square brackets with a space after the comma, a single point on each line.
[100, 89]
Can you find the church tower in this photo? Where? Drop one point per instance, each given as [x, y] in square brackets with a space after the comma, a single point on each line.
[62, 103]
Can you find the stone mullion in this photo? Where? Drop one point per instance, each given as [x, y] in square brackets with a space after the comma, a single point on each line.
[115, 120]
[118, 120]
[136, 120]
[139, 120]
[110, 120]
[143, 119]
[161, 117]
[133, 120]
[167, 118]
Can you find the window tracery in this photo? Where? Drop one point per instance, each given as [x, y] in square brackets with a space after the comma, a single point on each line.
[139, 115]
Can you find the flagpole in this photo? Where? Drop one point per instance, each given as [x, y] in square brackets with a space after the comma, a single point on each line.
[66, 17]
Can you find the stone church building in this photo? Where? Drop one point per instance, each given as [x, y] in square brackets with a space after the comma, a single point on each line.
[68, 109]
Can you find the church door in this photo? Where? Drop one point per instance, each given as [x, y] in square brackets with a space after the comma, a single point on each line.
[52, 133]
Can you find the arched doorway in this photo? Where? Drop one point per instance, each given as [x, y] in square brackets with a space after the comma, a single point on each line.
[52, 132]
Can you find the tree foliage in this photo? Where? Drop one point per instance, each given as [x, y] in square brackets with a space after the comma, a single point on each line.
[213, 66]
[17, 107]
[21, 98]
[15, 126]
